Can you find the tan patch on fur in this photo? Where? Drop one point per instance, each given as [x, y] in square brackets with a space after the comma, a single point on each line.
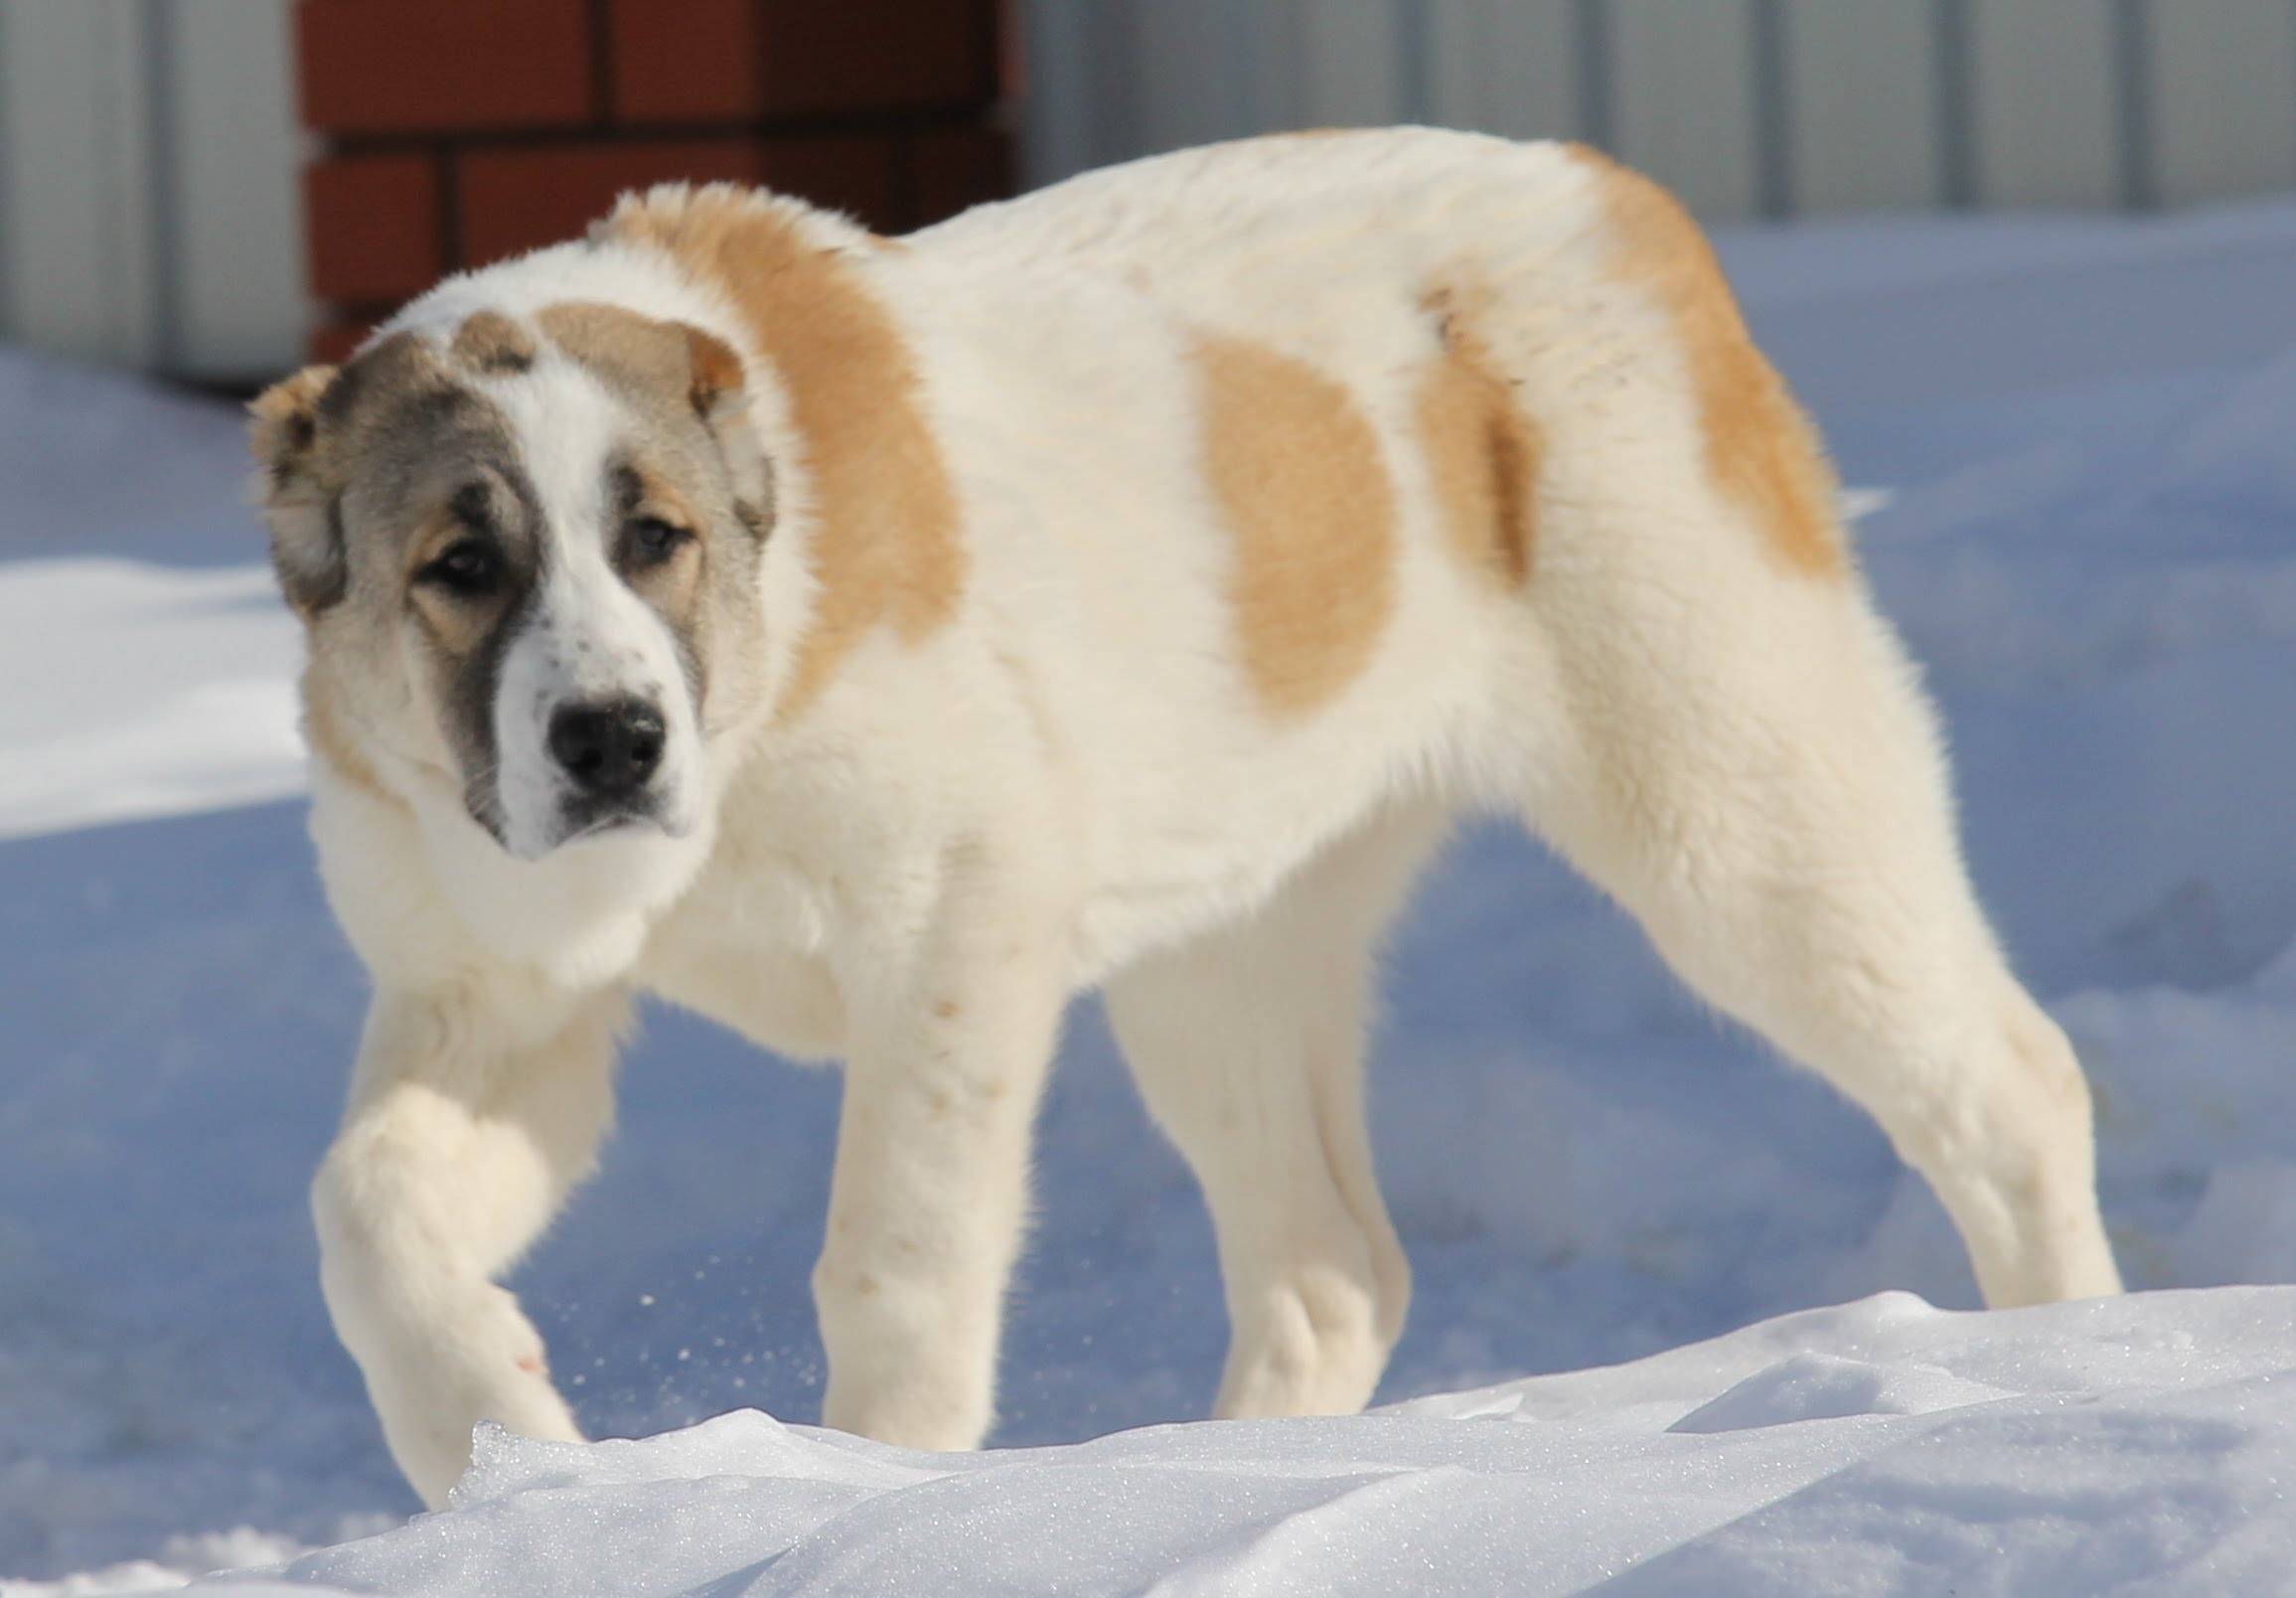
[1297, 473]
[283, 432]
[323, 734]
[712, 368]
[886, 548]
[284, 417]
[634, 348]
[1483, 450]
[457, 628]
[489, 341]
[1760, 447]
[623, 342]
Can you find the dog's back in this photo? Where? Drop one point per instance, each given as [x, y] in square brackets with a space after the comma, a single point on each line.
[1291, 468]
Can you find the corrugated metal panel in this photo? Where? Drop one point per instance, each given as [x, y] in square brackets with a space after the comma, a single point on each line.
[1199, 77]
[75, 158]
[2047, 102]
[149, 210]
[1508, 66]
[1683, 99]
[1068, 115]
[1353, 62]
[2224, 99]
[234, 152]
[148, 202]
[1862, 103]
[1745, 106]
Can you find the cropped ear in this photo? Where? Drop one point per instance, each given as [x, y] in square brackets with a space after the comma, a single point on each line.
[306, 544]
[714, 385]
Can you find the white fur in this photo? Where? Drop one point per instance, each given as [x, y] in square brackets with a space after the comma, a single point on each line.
[588, 637]
[1072, 783]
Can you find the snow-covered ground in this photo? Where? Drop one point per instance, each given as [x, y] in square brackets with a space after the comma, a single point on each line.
[1882, 1447]
[2089, 434]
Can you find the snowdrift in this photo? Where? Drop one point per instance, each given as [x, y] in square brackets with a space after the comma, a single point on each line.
[1882, 1447]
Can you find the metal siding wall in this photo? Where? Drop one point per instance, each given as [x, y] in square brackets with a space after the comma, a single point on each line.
[1353, 67]
[76, 150]
[1745, 106]
[2223, 97]
[1863, 104]
[1507, 66]
[1068, 121]
[235, 154]
[1196, 76]
[149, 210]
[2046, 102]
[1683, 99]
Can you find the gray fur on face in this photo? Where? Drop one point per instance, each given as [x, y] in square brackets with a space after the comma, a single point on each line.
[373, 472]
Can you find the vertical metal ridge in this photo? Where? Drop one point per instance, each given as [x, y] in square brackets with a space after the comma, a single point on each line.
[1959, 154]
[1116, 33]
[1056, 115]
[1255, 101]
[1413, 60]
[2134, 121]
[163, 198]
[1771, 82]
[114, 38]
[1594, 67]
[9, 311]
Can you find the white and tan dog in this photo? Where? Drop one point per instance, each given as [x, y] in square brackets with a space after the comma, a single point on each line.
[869, 644]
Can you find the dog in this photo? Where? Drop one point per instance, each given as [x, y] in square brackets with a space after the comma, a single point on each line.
[871, 643]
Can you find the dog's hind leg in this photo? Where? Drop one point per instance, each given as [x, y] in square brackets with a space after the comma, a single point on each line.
[470, 1119]
[1746, 764]
[1247, 1046]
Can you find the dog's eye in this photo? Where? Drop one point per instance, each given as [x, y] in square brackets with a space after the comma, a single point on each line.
[468, 566]
[652, 541]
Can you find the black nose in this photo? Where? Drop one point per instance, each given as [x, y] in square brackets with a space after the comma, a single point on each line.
[610, 749]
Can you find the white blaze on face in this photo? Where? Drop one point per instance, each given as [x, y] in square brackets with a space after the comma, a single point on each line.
[583, 639]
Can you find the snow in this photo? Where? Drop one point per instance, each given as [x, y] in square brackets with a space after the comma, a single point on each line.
[2083, 491]
[1880, 1447]
[181, 695]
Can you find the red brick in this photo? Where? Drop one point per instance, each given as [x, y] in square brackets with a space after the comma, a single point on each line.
[852, 173]
[685, 61]
[373, 225]
[864, 55]
[691, 61]
[955, 168]
[379, 66]
[517, 197]
[342, 331]
[522, 196]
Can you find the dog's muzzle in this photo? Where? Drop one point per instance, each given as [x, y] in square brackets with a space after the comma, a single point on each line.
[607, 752]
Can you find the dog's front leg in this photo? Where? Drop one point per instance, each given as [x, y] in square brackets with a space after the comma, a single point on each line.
[931, 1190]
[471, 1115]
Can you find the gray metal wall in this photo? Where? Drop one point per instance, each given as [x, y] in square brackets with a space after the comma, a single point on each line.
[1746, 108]
[149, 208]
[149, 203]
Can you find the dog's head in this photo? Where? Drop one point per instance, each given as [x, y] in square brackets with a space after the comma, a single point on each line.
[526, 551]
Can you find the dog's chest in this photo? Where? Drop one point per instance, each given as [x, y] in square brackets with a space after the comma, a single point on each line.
[743, 947]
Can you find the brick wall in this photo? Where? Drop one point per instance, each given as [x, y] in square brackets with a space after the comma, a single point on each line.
[459, 132]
